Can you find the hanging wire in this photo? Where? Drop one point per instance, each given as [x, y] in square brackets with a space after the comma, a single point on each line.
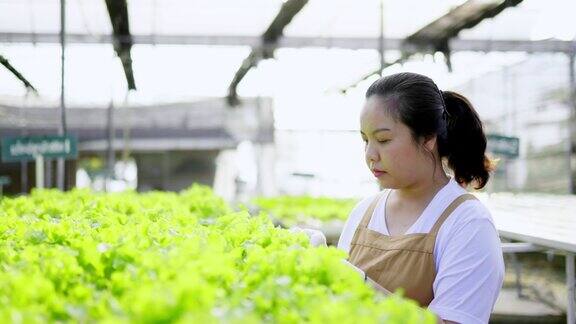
[84, 19]
[153, 21]
[329, 25]
[126, 130]
[32, 21]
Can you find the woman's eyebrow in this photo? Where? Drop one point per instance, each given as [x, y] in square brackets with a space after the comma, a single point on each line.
[377, 130]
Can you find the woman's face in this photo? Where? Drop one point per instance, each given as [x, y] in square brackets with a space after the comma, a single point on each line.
[391, 153]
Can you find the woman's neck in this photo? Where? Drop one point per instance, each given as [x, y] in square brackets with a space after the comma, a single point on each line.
[423, 190]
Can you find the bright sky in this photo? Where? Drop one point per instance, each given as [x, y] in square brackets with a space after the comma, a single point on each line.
[303, 82]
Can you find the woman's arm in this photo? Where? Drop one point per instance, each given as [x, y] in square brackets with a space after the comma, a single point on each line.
[369, 281]
[385, 291]
[377, 287]
[441, 321]
[470, 270]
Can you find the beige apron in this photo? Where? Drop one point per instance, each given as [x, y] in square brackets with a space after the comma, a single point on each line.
[405, 261]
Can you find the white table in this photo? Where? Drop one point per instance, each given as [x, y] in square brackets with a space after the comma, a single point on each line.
[547, 221]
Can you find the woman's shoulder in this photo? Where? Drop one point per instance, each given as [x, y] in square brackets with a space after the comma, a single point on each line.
[471, 209]
[474, 209]
[470, 229]
[471, 217]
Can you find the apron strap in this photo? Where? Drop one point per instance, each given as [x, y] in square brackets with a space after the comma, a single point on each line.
[368, 214]
[457, 202]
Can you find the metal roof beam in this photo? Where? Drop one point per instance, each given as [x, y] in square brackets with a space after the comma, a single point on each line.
[267, 45]
[354, 43]
[16, 73]
[118, 11]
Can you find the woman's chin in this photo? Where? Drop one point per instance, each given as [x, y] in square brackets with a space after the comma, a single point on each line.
[384, 183]
[387, 183]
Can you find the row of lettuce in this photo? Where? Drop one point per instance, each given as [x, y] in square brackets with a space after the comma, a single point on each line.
[172, 257]
[294, 210]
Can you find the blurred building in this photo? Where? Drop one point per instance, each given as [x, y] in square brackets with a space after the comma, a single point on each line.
[529, 100]
[173, 145]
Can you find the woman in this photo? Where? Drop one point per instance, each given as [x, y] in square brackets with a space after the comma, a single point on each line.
[425, 234]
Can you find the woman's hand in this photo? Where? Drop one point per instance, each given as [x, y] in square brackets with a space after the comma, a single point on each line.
[317, 238]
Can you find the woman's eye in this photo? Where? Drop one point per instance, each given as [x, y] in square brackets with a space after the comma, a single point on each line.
[379, 141]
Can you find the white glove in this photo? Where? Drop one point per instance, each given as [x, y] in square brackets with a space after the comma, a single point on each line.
[316, 237]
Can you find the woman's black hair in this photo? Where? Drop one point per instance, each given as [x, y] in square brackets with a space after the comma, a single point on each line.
[417, 102]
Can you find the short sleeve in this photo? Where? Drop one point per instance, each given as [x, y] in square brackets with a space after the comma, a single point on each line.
[470, 273]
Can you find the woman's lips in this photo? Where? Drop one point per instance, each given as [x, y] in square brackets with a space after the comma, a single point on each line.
[377, 173]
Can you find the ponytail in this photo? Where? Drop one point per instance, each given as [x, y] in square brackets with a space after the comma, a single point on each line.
[465, 144]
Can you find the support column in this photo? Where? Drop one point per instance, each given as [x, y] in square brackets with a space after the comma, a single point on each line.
[572, 125]
[570, 282]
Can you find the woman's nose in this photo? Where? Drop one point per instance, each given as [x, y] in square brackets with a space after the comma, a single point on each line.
[371, 153]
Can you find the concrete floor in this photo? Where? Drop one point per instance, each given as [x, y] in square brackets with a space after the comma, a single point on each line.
[510, 308]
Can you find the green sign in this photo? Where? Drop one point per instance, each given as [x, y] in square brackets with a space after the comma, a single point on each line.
[28, 147]
[504, 145]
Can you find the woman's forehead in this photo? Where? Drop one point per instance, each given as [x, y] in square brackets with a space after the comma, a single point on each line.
[375, 114]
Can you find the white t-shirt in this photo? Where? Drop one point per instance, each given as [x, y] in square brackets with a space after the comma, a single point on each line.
[467, 254]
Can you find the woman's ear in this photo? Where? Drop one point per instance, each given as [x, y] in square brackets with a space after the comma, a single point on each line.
[430, 142]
